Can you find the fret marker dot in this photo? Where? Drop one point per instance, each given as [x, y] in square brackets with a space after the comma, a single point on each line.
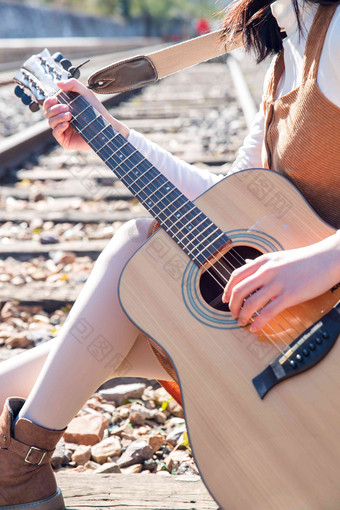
[189, 227]
[149, 202]
[178, 215]
[167, 188]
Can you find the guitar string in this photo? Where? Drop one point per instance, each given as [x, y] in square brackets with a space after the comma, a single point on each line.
[241, 261]
[279, 317]
[120, 148]
[221, 275]
[212, 254]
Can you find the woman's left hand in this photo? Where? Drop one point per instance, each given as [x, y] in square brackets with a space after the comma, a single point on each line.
[275, 281]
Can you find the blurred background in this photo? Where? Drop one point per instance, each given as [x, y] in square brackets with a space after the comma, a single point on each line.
[171, 19]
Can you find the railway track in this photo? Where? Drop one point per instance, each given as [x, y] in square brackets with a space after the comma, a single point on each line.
[58, 209]
[14, 51]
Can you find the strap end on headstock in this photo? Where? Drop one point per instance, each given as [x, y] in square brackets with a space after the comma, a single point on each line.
[123, 76]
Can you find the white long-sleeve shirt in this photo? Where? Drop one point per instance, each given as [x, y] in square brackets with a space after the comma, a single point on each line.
[193, 181]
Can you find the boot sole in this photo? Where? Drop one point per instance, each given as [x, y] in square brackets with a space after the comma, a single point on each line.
[55, 502]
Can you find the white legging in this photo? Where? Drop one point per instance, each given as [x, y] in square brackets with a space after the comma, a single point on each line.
[96, 343]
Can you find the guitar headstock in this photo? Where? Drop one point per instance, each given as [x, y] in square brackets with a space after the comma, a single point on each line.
[38, 77]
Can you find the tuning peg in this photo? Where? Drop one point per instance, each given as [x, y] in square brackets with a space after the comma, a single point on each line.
[26, 99]
[65, 63]
[57, 56]
[74, 72]
[34, 107]
[18, 91]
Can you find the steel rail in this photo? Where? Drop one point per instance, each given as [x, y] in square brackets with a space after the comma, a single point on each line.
[14, 51]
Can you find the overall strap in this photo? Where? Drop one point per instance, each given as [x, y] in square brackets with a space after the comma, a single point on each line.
[279, 67]
[315, 41]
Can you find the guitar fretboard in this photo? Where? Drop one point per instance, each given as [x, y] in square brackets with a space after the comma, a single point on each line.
[190, 228]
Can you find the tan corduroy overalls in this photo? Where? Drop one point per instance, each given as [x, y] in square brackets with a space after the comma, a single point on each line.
[302, 134]
[302, 139]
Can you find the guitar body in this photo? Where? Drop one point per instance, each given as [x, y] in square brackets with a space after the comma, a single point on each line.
[281, 452]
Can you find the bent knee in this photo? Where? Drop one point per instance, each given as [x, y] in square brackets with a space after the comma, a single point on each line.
[128, 238]
[135, 230]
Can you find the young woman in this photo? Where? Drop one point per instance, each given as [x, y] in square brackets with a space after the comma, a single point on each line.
[296, 133]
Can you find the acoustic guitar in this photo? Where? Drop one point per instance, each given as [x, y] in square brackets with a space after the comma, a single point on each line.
[262, 410]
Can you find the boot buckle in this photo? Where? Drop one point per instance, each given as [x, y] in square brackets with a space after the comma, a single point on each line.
[34, 452]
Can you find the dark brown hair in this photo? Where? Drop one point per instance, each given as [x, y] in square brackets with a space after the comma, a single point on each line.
[259, 28]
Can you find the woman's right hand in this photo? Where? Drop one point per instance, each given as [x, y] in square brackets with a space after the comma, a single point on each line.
[59, 116]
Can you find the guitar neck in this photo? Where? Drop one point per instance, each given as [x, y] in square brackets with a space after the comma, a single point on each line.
[178, 216]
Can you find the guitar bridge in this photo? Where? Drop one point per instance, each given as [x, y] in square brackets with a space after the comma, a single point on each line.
[303, 353]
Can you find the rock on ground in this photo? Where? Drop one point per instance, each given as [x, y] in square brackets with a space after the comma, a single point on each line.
[87, 429]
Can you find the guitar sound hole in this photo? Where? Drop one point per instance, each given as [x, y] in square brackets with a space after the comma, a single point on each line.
[214, 279]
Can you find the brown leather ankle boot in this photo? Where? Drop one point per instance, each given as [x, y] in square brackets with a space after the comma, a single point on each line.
[26, 477]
